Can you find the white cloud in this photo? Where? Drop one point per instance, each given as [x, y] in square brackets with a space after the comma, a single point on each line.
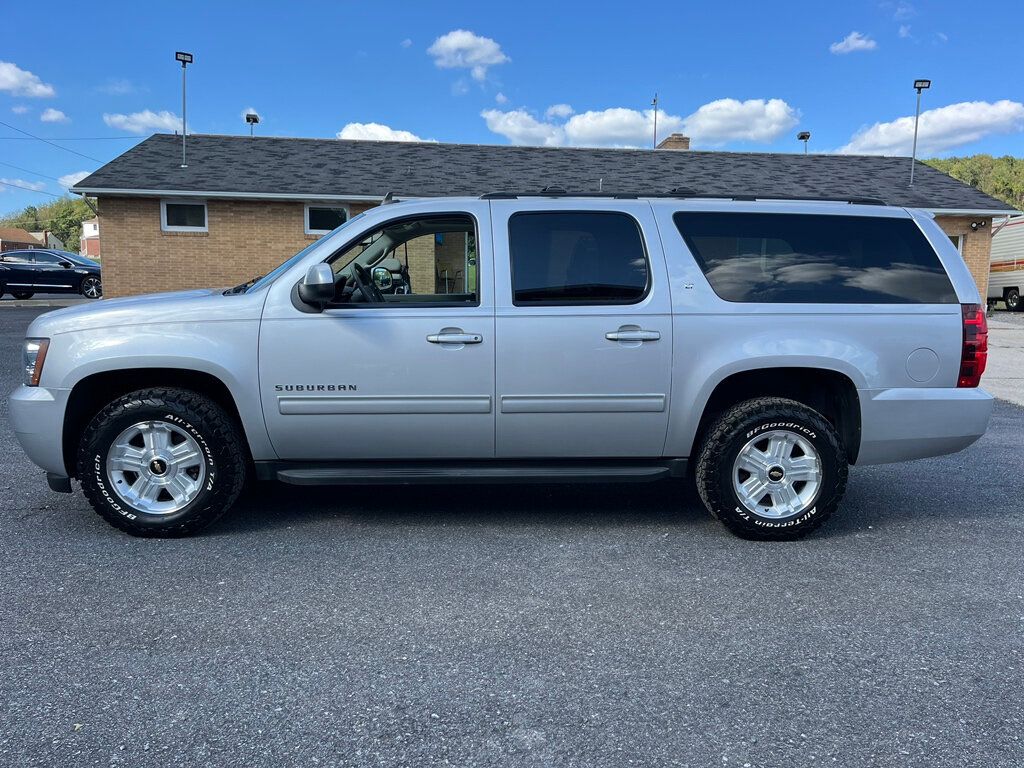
[117, 87]
[407, 43]
[20, 109]
[70, 179]
[904, 30]
[144, 122]
[35, 186]
[462, 49]
[903, 11]
[940, 129]
[51, 115]
[724, 120]
[558, 110]
[854, 41]
[20, 82]
[501, 98]
[376, 132]
[520, 127]
[942, 37]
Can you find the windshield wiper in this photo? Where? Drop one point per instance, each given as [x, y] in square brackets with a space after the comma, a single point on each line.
[243, 287]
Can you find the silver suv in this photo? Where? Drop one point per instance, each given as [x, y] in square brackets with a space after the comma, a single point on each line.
[758, 346]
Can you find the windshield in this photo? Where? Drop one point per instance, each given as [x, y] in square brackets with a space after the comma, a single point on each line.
[271, 276]
[77, 259]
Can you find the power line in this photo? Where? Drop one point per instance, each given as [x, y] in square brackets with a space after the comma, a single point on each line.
[29, 188]
[73, 138]
[26, 170]
[46, 141]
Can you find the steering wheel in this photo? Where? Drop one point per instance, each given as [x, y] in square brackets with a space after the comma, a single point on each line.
[366, 285]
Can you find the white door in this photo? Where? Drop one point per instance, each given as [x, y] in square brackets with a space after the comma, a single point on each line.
[584, 331]
[408, 376]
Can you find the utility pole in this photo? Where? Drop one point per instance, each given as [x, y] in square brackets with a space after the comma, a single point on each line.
[185, 59]
[654, 104]
[919, 85]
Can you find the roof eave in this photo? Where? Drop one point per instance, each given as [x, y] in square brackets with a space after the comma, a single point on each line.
[114, 192]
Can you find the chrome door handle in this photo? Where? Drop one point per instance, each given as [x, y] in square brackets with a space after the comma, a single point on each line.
[633, 335]
[455, 338]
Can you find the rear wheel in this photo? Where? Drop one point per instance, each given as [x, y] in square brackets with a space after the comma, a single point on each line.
[1012, 299]
[92, 288]
[771, 468]
[23, 294]
[161, 462]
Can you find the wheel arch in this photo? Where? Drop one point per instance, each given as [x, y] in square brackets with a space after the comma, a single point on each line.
[830, 391]
[92, 392]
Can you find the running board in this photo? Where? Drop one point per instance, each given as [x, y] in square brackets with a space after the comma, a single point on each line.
[512, 472]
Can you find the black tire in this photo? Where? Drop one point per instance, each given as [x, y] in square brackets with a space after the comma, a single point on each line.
[217, 434]
[22, 295]
[1012, 299]
[91, 287]
[737, 427]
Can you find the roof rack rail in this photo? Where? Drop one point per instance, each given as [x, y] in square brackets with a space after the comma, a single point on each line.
[683, 192]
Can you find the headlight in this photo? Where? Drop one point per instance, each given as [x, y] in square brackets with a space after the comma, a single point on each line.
[34, 355]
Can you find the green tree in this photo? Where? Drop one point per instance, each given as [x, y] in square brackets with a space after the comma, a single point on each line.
[63, 217]
[1000, 177]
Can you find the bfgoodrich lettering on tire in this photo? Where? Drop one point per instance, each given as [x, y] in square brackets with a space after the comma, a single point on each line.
[771, 468]
[161, 462]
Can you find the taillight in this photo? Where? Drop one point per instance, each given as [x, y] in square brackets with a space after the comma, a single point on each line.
[974, 354]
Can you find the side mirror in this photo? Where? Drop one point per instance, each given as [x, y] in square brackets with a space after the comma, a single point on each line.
[383, 278]
[317, 287]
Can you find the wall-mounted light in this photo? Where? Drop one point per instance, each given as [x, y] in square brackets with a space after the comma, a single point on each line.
[976, 225]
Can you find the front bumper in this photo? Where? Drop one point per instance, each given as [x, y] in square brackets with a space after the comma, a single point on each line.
[905, 424]
[37, 416]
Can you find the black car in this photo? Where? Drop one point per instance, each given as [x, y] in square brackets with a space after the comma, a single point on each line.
[25, 273]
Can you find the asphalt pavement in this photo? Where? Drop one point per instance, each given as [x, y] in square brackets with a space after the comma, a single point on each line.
[518, 626]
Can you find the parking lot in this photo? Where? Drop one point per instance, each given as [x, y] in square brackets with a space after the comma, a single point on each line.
[537, 626]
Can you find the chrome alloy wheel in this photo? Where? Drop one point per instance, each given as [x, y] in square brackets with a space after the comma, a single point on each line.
[777, 474]
[92, 288]
[156, 467]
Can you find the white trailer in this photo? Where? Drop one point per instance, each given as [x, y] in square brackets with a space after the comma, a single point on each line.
[1006, 267]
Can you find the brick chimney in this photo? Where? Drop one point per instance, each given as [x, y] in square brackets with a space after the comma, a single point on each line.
[675, 141]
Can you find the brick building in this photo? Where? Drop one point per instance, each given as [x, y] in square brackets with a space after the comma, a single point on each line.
[244, 204]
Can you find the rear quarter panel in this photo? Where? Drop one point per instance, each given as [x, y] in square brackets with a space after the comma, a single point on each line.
[714, 339]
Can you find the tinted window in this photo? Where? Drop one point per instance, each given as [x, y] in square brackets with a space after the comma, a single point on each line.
[18, 257]
[576, 258]
[326, 219]
[806, 258]
[186, 215]
[48, 258]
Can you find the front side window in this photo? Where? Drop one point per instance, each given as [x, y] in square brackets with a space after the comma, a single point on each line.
[182, 217]
[430, 259]
[321, 219]
[576, 258]
[48, 258]
[811, 258]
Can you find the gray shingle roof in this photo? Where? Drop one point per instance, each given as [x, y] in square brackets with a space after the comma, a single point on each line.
[329, 167]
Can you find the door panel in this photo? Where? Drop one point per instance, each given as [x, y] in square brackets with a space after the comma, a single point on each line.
[582, 380]
[383, 381]
[49, 276]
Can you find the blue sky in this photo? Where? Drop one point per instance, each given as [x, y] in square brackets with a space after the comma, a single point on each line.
[742, 76]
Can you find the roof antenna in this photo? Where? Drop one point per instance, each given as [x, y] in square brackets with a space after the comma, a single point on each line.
[600, 185]
[388, 198]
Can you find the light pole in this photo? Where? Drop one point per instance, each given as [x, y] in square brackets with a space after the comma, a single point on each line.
[654, 104]
[804, 136]
[185, 59]
[919, 85]
[252, 119]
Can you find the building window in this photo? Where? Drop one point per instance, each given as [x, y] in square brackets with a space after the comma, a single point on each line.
[321, 219]
[178, 216]
[958, 241]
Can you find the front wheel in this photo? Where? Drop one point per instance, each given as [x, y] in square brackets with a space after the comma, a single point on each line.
[771, 468]
[92, 288]
[23, 294]
[161, 462]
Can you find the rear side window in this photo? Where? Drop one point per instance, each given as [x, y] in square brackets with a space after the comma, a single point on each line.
[807, 258]
[579, 257]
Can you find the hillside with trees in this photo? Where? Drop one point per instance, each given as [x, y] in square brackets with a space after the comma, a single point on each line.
[63, 217]
[1001, 177]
